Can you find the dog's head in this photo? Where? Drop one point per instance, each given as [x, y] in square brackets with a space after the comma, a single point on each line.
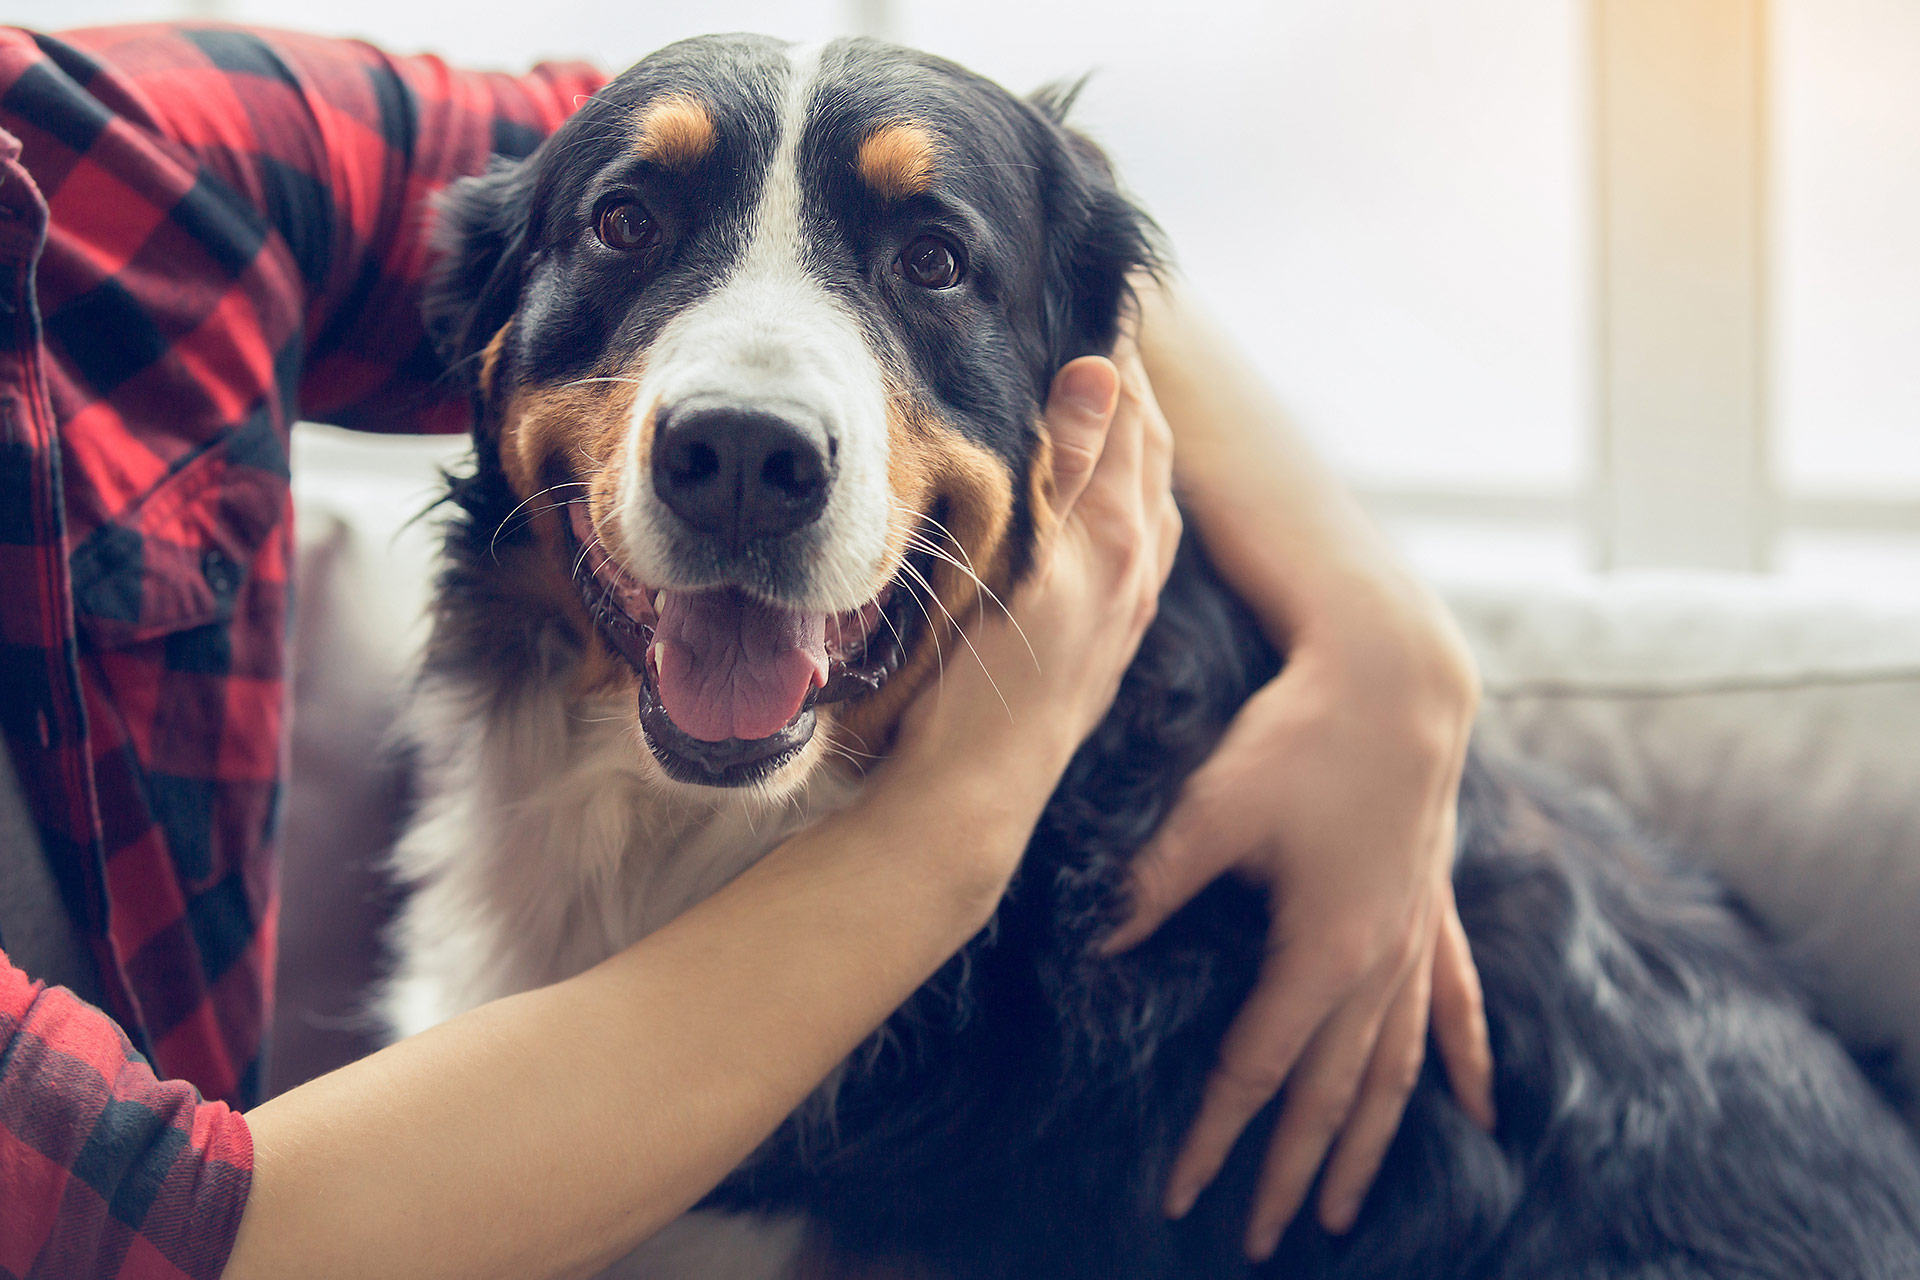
[759, 340]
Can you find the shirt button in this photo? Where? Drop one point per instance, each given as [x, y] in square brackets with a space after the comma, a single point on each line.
[221, 573]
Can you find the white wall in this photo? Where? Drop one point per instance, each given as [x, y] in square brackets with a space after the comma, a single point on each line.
[1846, 265]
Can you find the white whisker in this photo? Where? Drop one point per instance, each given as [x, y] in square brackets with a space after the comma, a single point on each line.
[494, 543]
[581, 382]
[961, 632]
[933, 632]
[921, 542]
[584, 552]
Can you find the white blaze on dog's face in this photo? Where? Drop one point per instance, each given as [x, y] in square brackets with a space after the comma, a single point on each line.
[769, 350]
[762, 337]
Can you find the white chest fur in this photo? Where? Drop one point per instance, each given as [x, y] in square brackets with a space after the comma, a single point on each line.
[545, 844]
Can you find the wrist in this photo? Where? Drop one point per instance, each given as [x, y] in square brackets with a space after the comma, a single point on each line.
[1007, 753]
[969, 804]
[1388, 642]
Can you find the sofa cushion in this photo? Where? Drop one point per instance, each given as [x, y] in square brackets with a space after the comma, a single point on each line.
[1768, 731]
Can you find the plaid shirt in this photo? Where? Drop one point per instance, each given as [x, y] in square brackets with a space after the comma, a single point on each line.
[204, 233]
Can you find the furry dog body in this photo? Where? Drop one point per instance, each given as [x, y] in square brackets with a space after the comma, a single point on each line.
[759, 343]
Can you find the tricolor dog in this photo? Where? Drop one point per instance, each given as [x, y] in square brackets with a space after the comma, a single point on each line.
[758, 344]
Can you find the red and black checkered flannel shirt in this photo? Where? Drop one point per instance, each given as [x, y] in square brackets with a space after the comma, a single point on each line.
[205, 233]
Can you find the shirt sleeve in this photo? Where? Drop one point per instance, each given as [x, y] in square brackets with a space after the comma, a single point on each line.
[341, 148]
[105, 1170]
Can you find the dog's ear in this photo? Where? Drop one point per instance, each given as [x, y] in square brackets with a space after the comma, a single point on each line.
[1099, 239]
[481, 241]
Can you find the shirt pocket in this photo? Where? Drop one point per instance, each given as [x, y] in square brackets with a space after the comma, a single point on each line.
[182, 557]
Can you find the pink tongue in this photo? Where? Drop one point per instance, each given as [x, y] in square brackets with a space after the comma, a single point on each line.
[731, 667]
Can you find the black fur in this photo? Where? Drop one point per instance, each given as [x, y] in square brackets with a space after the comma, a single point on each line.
[1667, 1107]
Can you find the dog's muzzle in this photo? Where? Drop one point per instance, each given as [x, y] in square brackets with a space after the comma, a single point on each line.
[729, 682]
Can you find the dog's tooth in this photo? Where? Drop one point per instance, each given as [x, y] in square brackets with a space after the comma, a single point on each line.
[654, 655]
[658, 596]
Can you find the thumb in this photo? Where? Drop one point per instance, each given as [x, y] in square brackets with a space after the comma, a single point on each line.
[1184, 857]
[1079, 411]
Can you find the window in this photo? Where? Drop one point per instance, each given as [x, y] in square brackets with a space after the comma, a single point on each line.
[1845, 192]
[1559, 284]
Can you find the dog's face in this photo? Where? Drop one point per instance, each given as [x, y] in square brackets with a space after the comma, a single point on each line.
[761, 338]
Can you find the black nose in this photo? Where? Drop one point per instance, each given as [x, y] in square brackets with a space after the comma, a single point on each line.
[741, 474]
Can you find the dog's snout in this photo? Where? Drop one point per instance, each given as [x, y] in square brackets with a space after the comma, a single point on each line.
[742, 474]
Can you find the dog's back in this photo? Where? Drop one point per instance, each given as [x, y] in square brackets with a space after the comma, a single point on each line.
[1667, 1107]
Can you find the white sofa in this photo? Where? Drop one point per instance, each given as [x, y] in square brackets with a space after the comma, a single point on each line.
[1773, 734]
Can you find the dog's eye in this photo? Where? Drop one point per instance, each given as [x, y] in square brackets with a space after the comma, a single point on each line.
[931, 263]
[628, 227]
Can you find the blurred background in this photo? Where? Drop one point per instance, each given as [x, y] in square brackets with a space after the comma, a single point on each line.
[1560, 285]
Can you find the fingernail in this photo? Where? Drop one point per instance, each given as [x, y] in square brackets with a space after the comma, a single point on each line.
[1088, 387]
[1339, 1216]
[1262, 1241]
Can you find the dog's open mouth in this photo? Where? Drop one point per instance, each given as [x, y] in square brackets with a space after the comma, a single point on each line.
[728, 682]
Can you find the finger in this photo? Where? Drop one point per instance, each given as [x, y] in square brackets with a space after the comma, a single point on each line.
[1391, 1076]
[1460, 1018]
[1080, 410]
[1117, 473]
[1161, 543]
[1156, 472]
[1207, 831]
[1320, 1097]
[1274, 1025]
[1172, 524]
[1185, 855]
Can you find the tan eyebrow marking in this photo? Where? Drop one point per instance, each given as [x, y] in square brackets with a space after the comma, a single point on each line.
[676, 131]
[897, 160]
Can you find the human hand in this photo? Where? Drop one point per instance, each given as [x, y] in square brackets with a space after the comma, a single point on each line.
[1336, 786]
[1031, 680]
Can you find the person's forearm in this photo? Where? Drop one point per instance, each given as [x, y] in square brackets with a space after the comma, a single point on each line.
[1275, 520]
[549, 1132]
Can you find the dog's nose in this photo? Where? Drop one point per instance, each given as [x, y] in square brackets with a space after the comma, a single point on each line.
[741, 474]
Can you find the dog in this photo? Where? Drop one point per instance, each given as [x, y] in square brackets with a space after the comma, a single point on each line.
[758, 344]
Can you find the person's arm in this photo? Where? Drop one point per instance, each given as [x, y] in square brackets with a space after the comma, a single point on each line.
[336, 149]
[1336, 786]
[105, 1170]
[548, 1133]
